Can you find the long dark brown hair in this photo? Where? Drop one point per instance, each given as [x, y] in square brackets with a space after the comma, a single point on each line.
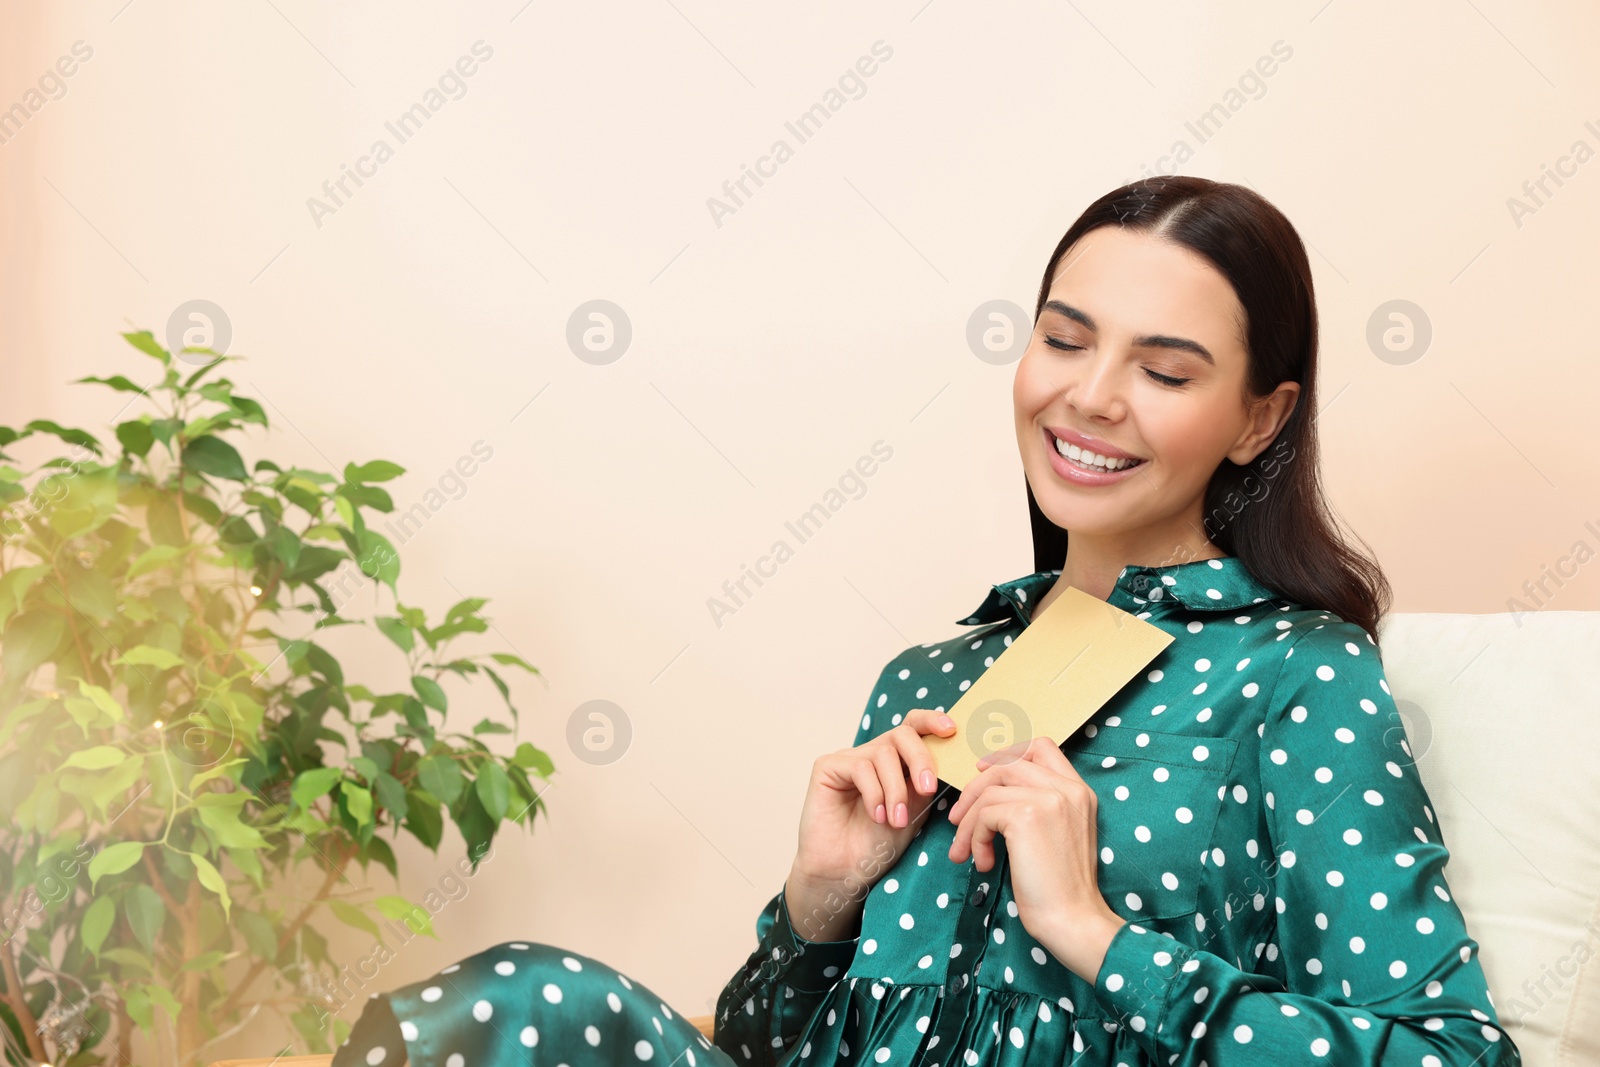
[1269, 513]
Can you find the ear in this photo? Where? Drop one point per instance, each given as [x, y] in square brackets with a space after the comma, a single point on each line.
[1267, 417]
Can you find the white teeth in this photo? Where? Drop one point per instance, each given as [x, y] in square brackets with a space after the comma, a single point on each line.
[1093, 459]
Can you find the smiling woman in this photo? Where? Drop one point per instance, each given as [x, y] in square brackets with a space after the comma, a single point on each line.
[1234, 861]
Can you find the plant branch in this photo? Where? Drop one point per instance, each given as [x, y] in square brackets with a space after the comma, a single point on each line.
[335, 872]
[18, 1003]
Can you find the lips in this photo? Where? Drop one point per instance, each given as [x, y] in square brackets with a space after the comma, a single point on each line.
[1074, 472]
[1090, 444]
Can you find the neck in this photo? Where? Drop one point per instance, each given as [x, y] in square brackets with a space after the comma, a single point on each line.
[1093, 564]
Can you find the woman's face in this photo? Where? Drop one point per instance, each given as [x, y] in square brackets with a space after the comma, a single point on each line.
[1138, 352]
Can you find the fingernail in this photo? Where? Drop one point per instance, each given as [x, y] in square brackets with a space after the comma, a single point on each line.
[878, 815]
[945, 720]
[927, 781]
[900, 818]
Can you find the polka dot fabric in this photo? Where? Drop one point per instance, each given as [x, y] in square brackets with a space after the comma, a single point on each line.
[1261, 826]
[522, 1003]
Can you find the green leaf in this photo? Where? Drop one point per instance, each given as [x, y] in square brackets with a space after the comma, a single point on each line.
[214, 456]
[286, 546]
[313, 784]
[378, 849]
[229, 830]
[135, 437]
[116, 381]
[146, 914]
[211, 879]
[163, 996]
[324, 664]
[91, 593]
[97, 758]
[391, 794]
[165, 429]
[153, 558]
[441, 776]
[494, 790]
[430, 692]
[424, 819]
[462, 609]
[509, 660]
[379, 470]
[533, 759]
[413, 915]
[89, 500]
[97, 922]
[358, 801]
[116, 782]
[396, 630]
[260, 934]
[102, 700]
[145, 342]
[30, 639]
[14, 586]
[70, 435]
[377, 558]
[248, 862]
[128, 958]
[149, 656]
[214, 772]
[489, 726]
[114, 859]
[351, 915]
[205, 961]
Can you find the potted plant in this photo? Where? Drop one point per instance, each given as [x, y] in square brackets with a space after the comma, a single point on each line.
[187, 777]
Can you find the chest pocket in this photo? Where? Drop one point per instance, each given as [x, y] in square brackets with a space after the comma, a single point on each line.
[1159, 798]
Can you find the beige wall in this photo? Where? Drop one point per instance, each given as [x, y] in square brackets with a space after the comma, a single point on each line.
[770, 350]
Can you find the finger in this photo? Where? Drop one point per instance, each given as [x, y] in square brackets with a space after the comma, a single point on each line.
[891, 776]
[1046, 753]
[975, 837]
[1018, 773]
[961, 843]
[929, 721]
[987, 825]
[920, 765]
[1009, 754]
[865, 778]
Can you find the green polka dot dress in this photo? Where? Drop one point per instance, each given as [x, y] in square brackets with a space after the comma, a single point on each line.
[1262, 826]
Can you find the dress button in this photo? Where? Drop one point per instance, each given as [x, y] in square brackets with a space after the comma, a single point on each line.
[978, 894]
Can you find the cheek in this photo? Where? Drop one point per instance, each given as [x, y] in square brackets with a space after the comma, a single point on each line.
[1030, 386]
[1183, 436]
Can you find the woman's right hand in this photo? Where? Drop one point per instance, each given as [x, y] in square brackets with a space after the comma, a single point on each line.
[863, 806]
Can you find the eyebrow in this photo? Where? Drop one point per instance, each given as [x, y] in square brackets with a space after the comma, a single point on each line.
[1157, 340]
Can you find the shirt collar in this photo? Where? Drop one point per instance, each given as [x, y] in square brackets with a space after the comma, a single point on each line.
[1222, 584]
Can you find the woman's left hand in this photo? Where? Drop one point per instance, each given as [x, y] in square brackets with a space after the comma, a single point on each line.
[1046, 812]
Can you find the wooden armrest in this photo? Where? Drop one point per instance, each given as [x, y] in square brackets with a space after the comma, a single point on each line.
[703, 1023]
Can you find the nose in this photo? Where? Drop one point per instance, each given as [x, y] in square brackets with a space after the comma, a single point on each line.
[1096, 386]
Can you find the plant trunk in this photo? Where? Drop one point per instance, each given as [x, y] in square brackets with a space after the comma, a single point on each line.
[189, 1031]
[18, 1003]
[124, 1033]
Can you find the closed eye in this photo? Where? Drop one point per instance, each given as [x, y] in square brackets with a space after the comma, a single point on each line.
[1164, 379]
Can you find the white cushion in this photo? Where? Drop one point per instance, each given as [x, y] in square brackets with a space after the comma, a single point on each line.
[1503, 714]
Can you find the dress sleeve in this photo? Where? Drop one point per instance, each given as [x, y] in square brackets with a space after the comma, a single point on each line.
[1379, 966]
[768, 1002]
